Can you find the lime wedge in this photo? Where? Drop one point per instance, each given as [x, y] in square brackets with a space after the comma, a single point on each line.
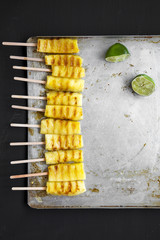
[117, 53]
[143, 85]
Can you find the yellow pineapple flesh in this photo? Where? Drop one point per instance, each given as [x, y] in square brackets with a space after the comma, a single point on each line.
[64, 84]
[64, 112]
[64, 98]
[63, 127]
[63, 156]
[63, 60]
[69, 188]
[62, 45]
[63, 142]
[66, 172]
[70, 72]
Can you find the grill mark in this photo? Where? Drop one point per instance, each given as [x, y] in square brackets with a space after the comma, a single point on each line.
[78, 62]
[65, 156]
[72, 46]
[58, 160]
[77, 186]
[65, 60]
[52, 142]
[67, 112]
[62, 186]
[75, 112]
[72, 61]
[59, 61]
[73, 72]
[73, 154]
[80, 155]
[73, 139]
[60, 141]
[52, 61]
[75, 100]
[68, 99]
[54, 111]
[61, 112]
[66, 142]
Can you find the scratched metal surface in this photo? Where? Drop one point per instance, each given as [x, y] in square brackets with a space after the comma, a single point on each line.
[120, 129]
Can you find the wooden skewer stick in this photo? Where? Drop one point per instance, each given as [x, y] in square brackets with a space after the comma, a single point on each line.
[28, 108]
[29, 175]
[19, 44]
[32, 69]
[25, 125]
[26, 143]
[27, 58]
[29, 97]
[28, 161]
[29, 80]
[28, 188]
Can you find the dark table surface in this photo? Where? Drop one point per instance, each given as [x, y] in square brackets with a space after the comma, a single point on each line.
[19, 20]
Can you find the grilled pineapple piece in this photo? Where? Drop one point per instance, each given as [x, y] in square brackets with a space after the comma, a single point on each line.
[58, 142]
[62, 156]
[64, 112]
[62, 45]
[66, 172]
[63, 60]
[70, 188]
[64, 84]
[70, 72]
[60, 127]
[64, 98]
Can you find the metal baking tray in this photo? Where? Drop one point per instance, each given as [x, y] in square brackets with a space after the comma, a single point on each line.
[120, 129]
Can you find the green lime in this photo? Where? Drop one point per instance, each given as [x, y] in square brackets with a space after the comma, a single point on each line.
[117, 53]
[143, 85]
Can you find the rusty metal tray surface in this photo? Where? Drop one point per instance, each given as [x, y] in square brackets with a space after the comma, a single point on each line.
[120, 129]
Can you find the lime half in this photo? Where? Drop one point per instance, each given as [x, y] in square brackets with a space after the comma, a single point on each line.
[117, 53]
[143, 85]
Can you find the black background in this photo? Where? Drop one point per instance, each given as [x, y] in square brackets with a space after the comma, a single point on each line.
[18, 21]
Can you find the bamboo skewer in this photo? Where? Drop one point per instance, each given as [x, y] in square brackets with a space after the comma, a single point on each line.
[28, 108]
[26, 143]
[28, 188]
[29, 80]
[25, 125]
[29, 97]
[19, 44]
[28, 161]
[27, 58]
[29, 175]
[32, 69]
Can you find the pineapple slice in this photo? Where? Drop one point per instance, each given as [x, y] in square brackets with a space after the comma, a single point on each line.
[60, 127]
[62, 156]
[63, 60]
[64, 112]
[64, 98]
[66, 172]
[64, 84]
[62, 45]
[70, 188]
[58, 142]
[70, 72]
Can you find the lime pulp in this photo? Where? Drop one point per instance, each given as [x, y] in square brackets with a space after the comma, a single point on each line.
[117, 53]
[143, 85]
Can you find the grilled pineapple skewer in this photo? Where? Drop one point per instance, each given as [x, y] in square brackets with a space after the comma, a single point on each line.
[66, 172]
[63, 156]
[62, 45]
[64, 112]
[69, 72]
[64, 98]
[59, 127]
[63, 142]
[64, 60]
[64, 84]
[69, 188]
